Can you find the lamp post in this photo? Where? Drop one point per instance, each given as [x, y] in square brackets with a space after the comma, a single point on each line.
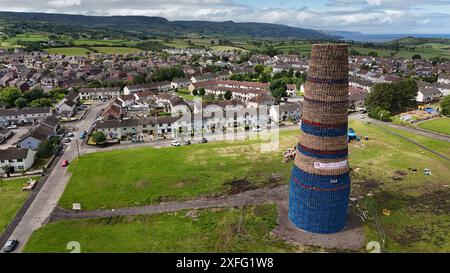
[381, 117]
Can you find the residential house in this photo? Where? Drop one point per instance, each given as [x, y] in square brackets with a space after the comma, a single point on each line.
[138, 129]
[427, 95]
[25, 115]
[180, 83]
[147, 87]
[291, 90]
[99, 93]
[16, 159]
[5, 134]
[33, 139]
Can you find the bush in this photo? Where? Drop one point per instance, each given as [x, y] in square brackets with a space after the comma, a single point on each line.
[445, 106]
[228, 95]
[378, 113]
[99, 137]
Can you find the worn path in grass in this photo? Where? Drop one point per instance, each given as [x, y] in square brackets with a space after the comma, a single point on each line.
[352, 237]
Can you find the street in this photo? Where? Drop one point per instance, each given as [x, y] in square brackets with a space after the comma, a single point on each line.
[48, 197]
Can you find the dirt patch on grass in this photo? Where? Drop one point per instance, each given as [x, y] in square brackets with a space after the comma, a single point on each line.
[437, 202]
[179, 185]
[142, 184]
[362, 184]
[399, 175]
[238, 185]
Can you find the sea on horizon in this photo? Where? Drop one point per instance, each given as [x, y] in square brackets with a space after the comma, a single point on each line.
[381, 38]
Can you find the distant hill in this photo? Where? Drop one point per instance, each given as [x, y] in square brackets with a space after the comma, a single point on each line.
[156, 26]
[412, 41]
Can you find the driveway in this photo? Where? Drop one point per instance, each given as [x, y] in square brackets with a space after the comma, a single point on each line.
[17, 134]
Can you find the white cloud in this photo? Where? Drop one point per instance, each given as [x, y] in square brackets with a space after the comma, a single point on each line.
[378, 16]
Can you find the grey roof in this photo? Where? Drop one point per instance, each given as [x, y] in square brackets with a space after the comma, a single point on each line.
[135, 122]
[18, 112]
[51, 122]
[430, 91]
[71, 96]
[13, 153]
[100, 90]
[4, 131]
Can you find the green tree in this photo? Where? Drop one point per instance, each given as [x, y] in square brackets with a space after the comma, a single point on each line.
[45, 149]
[373, 54]
[228, 95]
[99, 137]
[33, 94]
[380, 114]
[202, 92]
[259, 68]
[167, 74]
[20, 103]
[195, 92]
[392, 97]
[445, 106]
[9, 95]
[278, 89]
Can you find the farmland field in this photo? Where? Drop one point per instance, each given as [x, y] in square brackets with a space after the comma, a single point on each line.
[116, 50]
[226, 48]
[105, 42]
[69, 51]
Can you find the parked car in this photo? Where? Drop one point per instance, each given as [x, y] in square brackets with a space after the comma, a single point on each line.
[256, 129]
[65, 163]
[13, 126]
[10, 245]
[83, 134]
[203, 140]
[70, 135]
[361, 116]
[66, 140]
[175, 143]
[187, 142]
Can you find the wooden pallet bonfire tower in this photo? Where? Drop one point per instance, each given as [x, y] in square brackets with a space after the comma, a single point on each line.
[320, 180]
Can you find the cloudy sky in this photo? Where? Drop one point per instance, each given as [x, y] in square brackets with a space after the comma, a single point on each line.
[368, 16]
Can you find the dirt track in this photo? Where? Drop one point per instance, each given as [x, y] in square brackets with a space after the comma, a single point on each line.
[352, 237]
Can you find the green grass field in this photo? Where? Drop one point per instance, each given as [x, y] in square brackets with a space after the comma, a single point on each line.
[11, 199]
[149, 175]
[380, 52]
[69, 51]
[226, 48]
[28, 37]
[113, 42]
[440, 125]
[116, 50]
[383, 165]
[211, 230]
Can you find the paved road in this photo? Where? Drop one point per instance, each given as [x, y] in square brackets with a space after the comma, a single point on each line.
[86, 149]
[416, 131]
[47, 198]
